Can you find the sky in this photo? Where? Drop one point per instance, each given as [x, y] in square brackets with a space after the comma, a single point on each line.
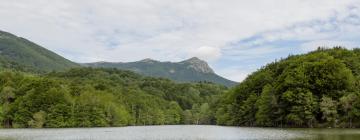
[236, 37]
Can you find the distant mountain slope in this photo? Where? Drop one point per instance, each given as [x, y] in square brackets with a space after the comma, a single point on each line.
[19, 53]
[191, 70]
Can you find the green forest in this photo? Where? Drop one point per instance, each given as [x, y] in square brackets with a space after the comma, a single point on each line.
[317, 89]
[88, 97]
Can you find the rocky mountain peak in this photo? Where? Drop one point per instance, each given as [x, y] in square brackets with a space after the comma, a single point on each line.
[198, 65]
[148, 60]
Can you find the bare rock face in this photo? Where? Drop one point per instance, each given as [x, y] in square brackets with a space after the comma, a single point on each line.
[198, 65]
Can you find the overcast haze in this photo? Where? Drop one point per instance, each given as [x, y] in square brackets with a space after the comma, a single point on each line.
[236, 37]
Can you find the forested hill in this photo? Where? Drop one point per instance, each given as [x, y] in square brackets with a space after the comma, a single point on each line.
[191, 70]
[318, 89]
[39, 88]
[21, 54]
[87, 97]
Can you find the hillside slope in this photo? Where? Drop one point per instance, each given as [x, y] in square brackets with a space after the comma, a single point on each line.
[19, 53]
[318, 89]
[191, 70]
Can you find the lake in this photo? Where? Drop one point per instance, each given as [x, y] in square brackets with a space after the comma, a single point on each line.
[178, 132]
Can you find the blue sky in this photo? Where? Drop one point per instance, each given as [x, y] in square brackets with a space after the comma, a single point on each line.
[236, 37]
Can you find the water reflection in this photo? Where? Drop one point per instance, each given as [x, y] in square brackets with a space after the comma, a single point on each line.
[178, 133]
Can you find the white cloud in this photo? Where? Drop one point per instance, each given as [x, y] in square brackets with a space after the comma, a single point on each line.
[149, 25]
[251, 52]
[313, 45]
[339, 26]
[236, 73]
[129, 30]
[206, 53]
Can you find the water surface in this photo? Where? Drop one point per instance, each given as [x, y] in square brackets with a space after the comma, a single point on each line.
[179, 132]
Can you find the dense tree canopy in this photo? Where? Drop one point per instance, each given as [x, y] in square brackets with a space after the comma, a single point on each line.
[87, 97]
[318, 89]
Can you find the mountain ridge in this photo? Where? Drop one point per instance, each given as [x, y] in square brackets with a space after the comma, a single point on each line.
[189, 70]
[23, 53]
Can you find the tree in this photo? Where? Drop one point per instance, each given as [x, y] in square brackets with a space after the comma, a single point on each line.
[7, 97]
[301, 107]
[247, 111]
[222, 116]
[310, 106]
[38, 120]
[328, 108]
[348, 103]
[204, 114]
[89, 97]
[266, 104]
[173, 113]
[187, 117]
[59, 116]
[1, 114]
[159, 117]
[7, 94]
[299, 83]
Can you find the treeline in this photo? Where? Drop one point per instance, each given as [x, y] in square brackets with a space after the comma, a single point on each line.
[88, 97]
[318, 89]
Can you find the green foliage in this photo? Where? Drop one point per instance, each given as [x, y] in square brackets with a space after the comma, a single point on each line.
[38, 88]
[350, 105]
[187, 117]
[317, 89]
[328, 107]
[38, 120]
[266, 104]
[173, 113]
[87, 97]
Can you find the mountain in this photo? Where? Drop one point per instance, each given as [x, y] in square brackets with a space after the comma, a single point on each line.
[191, 70]
[20, 53]
[65, 98]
